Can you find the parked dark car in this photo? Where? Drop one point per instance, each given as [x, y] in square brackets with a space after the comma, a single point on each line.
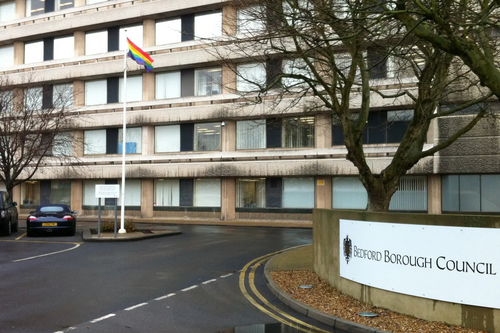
[50, 218]
[8, 214]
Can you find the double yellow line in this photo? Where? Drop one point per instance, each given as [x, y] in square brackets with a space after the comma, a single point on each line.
[270, 309]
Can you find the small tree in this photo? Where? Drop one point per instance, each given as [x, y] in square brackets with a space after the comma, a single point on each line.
[323, 56]
[34, 129]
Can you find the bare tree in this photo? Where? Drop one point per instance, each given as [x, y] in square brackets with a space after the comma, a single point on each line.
[35, 128]
[338, 57]
[467, 29]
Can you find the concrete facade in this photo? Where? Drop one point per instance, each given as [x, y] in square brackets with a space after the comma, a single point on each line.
[319, 165]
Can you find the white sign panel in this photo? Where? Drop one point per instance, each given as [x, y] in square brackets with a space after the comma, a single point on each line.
[453, 264]
[107, 191]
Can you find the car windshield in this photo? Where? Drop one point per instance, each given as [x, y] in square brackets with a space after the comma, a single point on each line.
[52, 209]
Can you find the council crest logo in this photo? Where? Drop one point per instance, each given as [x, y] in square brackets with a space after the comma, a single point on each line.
[347, 249]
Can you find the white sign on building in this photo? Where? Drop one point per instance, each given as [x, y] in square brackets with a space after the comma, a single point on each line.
[107, 191]
[453, 264]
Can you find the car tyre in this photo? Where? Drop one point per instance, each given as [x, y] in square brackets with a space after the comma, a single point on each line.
[73, 230]
[15, 227]
[7, 228]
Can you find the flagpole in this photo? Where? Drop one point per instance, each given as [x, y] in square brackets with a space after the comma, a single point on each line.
[124, 138]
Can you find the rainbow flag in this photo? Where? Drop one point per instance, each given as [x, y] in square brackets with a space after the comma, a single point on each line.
[139, 56]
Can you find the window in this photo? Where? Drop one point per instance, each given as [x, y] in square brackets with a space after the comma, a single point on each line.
[275, 192]
[207, 136]
[166, 192]
[208, 81]
[208, 25]
[33, 98]
[6, 101]
[403, 61]
[251, 192]
[349, 193]
[167, 139]
[168, 85]
[33, 52]
[298, 15]
[250, 77]
[471, 193]
[64, 47]
[7, 11]
[60, 192]
[95, 92]
[207, 193]
[298, 192]
[64, 4]
[134, 33]
[94, 142]
[132, 192]
[298, 132]
[62, 95]
[96, 42]
[109, 90]
[250, 20]
[382, 127]
[62, 144]
[204, 192]
[251, 134]
[110, 141]
[134, 140]
[6, 56]
[295, 67]
[168, 31]
[275, 133]
[89, 198]
[30, 193]
[36, 7]
[36, 192]
[134, 89]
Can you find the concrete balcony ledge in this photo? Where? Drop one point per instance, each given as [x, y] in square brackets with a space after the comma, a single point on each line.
[244, 155]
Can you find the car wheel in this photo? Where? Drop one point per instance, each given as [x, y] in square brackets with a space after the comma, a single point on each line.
[15, 227]
[73, 230]
[29, 232]
[7, 230]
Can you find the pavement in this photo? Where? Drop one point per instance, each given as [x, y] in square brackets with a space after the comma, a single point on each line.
[299, 258]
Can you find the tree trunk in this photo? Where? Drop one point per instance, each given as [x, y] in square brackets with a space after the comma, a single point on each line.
[380, 193]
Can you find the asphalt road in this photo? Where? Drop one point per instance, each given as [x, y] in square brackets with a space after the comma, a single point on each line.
[184, 283]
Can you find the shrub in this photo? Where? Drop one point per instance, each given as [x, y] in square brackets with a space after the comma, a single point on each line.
[110, 226]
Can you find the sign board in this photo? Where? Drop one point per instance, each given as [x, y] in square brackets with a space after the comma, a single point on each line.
[107, 191]
[321, 182]
[452, 264]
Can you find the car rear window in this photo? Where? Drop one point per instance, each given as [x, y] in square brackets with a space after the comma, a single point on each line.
[51, 209]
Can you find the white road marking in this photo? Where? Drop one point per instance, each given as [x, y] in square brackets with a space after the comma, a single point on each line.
[189, 288]
[163, 297]
[225, 276]
[102, 318]
[48, 254]
[209, 281]
[135, 306]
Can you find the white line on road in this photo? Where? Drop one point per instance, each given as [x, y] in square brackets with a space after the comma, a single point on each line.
[102, 318]
[135, 306]
[163, 297]
[209, 281]
[225, 276]
[48, 254]
[189, 288]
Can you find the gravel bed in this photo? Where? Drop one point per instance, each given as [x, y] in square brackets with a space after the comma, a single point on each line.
[327, 299]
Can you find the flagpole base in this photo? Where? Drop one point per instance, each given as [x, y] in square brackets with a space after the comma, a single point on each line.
[122, 231]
